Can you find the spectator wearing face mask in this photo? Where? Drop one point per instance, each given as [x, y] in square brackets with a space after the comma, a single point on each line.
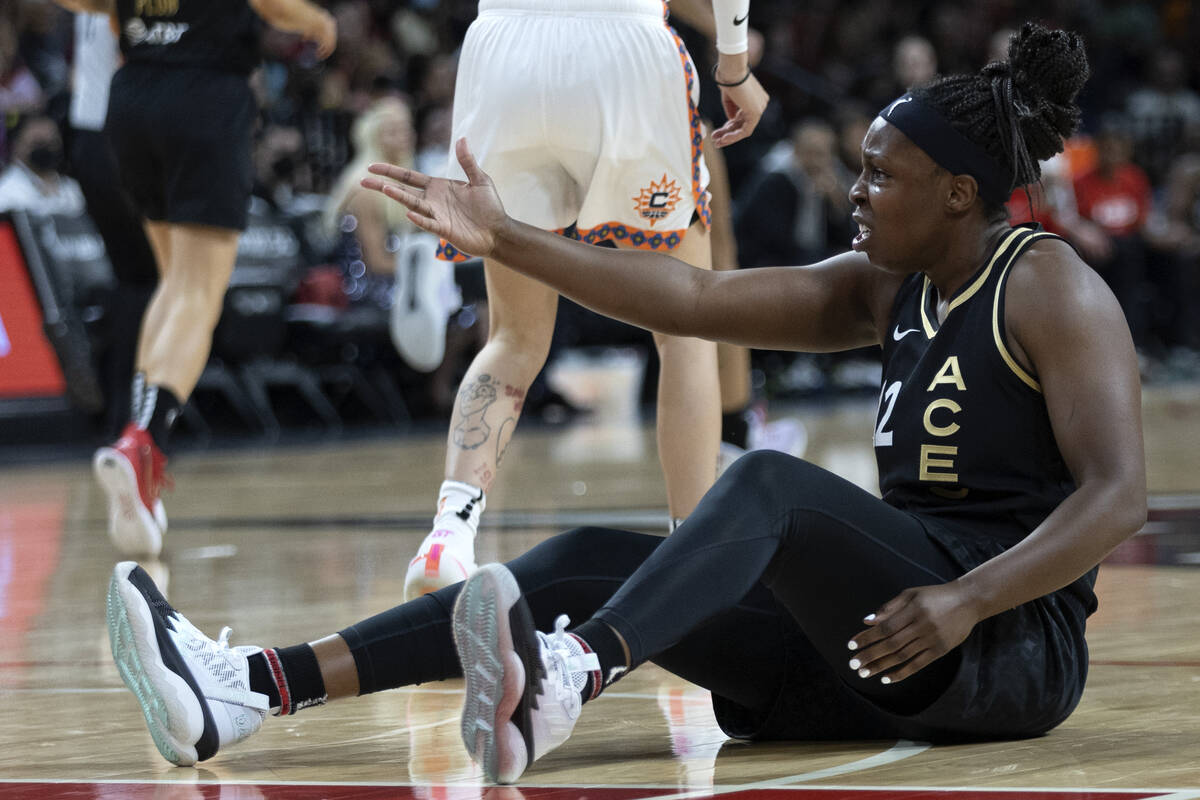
[33, 181]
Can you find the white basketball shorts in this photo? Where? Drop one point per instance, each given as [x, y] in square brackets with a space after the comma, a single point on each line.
[584, 114]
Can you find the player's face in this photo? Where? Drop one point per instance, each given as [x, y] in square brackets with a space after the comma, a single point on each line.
[896, 201]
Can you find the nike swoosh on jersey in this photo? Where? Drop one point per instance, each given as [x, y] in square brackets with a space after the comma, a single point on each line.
[740, 20]
[898, 334]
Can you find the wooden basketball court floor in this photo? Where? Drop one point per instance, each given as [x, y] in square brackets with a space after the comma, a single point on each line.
[290, 543]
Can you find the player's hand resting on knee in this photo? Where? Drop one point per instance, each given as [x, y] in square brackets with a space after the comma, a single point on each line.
[912, 630]
[466, 214]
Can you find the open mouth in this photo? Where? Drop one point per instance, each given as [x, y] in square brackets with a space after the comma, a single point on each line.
[859, 242]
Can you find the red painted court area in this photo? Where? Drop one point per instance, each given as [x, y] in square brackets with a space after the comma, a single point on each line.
[264, 791]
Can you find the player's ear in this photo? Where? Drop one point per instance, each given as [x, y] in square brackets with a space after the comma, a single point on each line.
[962, 191]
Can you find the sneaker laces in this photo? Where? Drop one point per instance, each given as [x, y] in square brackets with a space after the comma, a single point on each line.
[571, 665]
[227, 685]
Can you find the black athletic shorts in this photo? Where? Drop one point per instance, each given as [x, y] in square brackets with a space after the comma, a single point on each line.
[183, 141]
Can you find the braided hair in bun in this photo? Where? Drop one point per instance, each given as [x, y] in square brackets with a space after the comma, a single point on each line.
[1020, 110]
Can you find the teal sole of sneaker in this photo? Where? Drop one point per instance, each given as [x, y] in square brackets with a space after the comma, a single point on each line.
[493, 687]
[124, 631]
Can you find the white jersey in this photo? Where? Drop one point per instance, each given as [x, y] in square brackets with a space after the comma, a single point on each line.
[584, 114]
[96, 59]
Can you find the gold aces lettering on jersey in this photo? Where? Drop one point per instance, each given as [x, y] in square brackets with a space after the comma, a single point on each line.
[961, 431]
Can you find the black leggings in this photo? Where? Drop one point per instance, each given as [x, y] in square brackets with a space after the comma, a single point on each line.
[777, 545]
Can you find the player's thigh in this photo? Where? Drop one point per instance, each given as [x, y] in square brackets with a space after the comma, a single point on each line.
[649, 178]
[694, 249]
[500, 108]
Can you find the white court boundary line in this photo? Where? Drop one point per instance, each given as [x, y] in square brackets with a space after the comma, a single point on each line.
[1156, 793]
[901, 750]
[898, 752]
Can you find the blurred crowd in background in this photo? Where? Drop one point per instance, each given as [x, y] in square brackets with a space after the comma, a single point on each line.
[1126, 192]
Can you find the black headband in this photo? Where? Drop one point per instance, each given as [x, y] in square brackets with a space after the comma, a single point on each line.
[930, 131]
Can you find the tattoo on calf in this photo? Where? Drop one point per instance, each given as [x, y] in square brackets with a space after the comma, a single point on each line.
[475, 399]
[518, 396]
[502, 445]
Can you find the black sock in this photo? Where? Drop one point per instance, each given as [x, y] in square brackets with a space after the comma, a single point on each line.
[735, 428]
[261, 680]
[159, 410]
[604, 642]
[290, 677]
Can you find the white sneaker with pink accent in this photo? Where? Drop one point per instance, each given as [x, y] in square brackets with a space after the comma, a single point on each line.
[446, 557]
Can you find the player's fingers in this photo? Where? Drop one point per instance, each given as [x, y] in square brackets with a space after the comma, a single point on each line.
[474, 174]
[914, 665]
[412, 201]
[889, 620]
[868, 666]
[722, 135]
[377, 185]
[374, 184]
[732, 131]
[431, 225]
[407, 176]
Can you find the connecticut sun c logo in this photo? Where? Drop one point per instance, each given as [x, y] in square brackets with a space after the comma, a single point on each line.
[657, 200]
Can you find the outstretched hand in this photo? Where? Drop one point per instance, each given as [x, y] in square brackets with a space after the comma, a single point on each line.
[467, 214]
[912, 630]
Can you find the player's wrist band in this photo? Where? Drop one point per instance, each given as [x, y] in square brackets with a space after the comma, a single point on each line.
[719, 82]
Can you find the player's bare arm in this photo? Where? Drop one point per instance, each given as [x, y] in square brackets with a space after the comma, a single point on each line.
[312, 22]
[834, 305]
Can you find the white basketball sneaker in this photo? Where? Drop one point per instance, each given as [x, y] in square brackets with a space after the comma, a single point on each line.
[194, 692]
[446, 557]
[522, 686]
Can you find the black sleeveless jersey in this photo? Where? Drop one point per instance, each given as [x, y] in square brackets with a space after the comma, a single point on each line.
[215, 34]
[962, 432]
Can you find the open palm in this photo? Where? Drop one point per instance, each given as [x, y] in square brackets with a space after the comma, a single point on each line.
[466, 214]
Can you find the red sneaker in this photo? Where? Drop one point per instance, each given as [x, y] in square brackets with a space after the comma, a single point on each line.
[133, 474]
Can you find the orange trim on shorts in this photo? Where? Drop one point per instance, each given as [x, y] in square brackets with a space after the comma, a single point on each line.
[699, 193]
[641, 238]
[448, 252]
